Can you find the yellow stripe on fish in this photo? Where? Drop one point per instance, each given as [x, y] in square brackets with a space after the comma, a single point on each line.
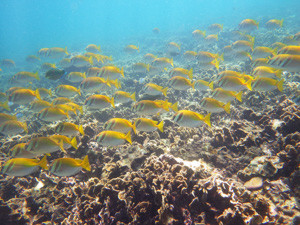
[148, 125]
[113, 138]
[187, 118]
[119, 124]
[214, 106]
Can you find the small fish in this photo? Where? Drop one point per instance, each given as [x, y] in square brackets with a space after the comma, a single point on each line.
[181, 72]
[66, 108]
[20, 167]
[37, 105]
[13, 127]
[181, 83]
[6, 117]
[154, 89]
[8, 63]
[47, 66]
[60, 100]
[120, 125]
[187, 118]
[12, 89]
[68, 167]
[94, 84]
[203, 85]
[25, 77]
[211, 65]
[148, 125]
[190, 55]
[19, 151]
[69, 129]
[232, 83]
[93, 48]
[230, 73]
[44, 145]
[93, 72]
[65, 63]
[215, 28]
[172, 106]
[81, 61]
[267, 84]
[211, 39]
[266, 71]
[173, 48]
[75, 107]
[52, 114]
[24, 96]
[226, 96]
[96, 57]
[148, 107]
[291, 50]
[57, 52]
[32, 59]
[241, 45]
[156, 30]
[198, 34]
[113, 138]
[149, 57]
[162, 62]
[274, 24]
[248, 25]
[54, 74]
[131, 49]
[45, 93]
[64, 90]
[242, 56]
[214, 106]
[278, 46]
[207, 57]
[290, 63]
[75, 77]
[98, 102]
[122, 97]
[260, 62]
[111, 72]
[67, 142]
[140, 67]
[263, 52]
[43, 52]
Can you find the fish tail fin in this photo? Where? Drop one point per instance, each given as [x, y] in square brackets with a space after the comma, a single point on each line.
[74, 143]
[67, 114]
[84, 75]
[61, 146]
[221, 57]
[134, 127]
[148, 67]
[226, 107]
[160, 126]
[78, 91]
[165, 105]
[128, 137]
[190, 74]
[172, 62]
[37, 94]
[133, 96]
[216, 63]
[43, 163]
[91, 60]
[119, 85]
[206, 119]
[175, 107]
[281, 22]
[99, 48]
[50, 92]
[278, 73]
[164, 91]
[5, 106]
[66, 51]
[280, 85]
[85, 164]
[122, 72]
[25, 127]
[108, 82]
[193, 85]
[36, 75]
[80, 129]
[238, 96]
[81, 110]
[248, 84]
[211, 85]
[112, 102]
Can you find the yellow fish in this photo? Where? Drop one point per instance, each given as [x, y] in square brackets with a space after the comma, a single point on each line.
[19, 151]
[52, 114]
[24, 96]
[45, 93]
[214, 106]
[93, 72]
[43, 52]
[291, 50]
[132, 49]
[187, 118]
[69, 129]
[68, 166]
[47, 66]
[75, 77]
[148, 125]
[122, 97]
[120, 125]
[93, 48]
[154, 89]
[148, 107]
[199, 34]
[32, 59]
[225, 95]
[207, 57]
[162, 62]
[274, 24]
[111, 72]
[65, 63]
[263, 52]
[266, 71]
[60, 100]
[190, 55]
[215, 28]
[203, 85]
[260, 62]
[44, 145]
[286, 62]
[81, 61]
[65, 140]
[173, 48]
[13, 127]
[57, 52]
[22, 166]
[242, 45]
[267, 84]
[4, 105]
[149, 57]
[37, 105]
[64, 90]
[211, 39]
[232, 83]
[94, 84]
[98, 102]
[140, 67]
[181, 83]
[25, 77]
[6, 117]
[113, 138]
[181, 72]
[8, 63]
[248, 25]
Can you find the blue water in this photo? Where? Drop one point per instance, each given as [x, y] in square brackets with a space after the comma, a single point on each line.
[28, 25]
